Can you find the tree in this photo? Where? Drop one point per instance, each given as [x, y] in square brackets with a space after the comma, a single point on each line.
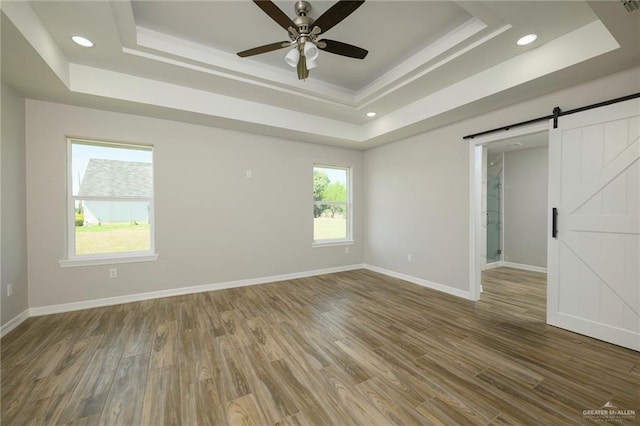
[320, 183]
[335, 191]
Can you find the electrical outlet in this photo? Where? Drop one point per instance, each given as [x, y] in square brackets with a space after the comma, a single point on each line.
[249, 173]
[9, 290]
[409, 257]
[346, 250]
[113, 273]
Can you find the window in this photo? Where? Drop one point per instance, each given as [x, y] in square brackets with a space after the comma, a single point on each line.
[331, 204]
[110, 200]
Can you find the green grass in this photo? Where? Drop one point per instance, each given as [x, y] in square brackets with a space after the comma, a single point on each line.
[325, 228]
[112, 238]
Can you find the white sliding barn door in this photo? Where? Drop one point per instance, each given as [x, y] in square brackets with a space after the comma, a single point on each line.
[594, 182]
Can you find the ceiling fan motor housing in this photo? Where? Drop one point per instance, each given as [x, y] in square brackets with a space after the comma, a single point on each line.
[303, 21]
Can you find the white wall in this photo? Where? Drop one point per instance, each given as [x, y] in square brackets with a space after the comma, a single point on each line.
[213, 225]
[526, 177]
[417, 189]
[416, 202]
[13, 211]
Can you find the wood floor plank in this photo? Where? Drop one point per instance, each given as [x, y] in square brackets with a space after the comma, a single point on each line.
[49, 359]
[358, 408]
[458, 388]
[207, 412]
[295, 420]
[347, 348]
[276, 403]
[195, 359]
[69, 371]
[14, 403]
[303, 395]
[244, 411]
[45, 411]
[91, 392]
[306, 342]
[187, 316]
[141, 336]
[84, 421]
[116, 324]
[164, 345]
[379, 368]
[394, 408]
[449, 411]
[126, 397]
[162, 399]
[262, 335]
[349, 365]
[231, 381]
[510, 389]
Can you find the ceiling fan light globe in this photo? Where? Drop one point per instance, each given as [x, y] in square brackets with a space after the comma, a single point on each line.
[311, 51]
[311, 63]
[292, 57]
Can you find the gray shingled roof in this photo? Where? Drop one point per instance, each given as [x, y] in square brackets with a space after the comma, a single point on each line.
[114, 178]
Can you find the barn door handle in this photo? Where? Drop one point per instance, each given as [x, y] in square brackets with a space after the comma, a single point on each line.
[554, 222]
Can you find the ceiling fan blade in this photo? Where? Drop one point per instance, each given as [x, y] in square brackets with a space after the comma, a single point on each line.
[275, 13]
[303, 72]
[344, 49]
[336, 13]
[264, 49]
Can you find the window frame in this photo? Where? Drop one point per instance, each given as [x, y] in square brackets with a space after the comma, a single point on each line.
[348, 240]
[73, 259]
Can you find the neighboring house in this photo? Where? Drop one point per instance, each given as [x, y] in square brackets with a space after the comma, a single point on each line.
[114, 178]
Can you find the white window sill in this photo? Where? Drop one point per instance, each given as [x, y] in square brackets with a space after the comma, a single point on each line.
[93, 261]
[332, 243]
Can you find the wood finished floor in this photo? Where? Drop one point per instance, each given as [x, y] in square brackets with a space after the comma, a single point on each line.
[347, 348]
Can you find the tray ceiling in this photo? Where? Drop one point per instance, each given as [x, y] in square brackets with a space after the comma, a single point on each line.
[430, 62]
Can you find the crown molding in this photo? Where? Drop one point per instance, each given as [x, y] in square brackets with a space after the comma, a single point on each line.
[405, 72]
[230, 66]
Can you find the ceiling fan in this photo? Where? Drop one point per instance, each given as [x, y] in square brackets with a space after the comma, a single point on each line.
[303, 32]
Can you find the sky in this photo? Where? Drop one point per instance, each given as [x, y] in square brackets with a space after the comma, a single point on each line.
[335, 175]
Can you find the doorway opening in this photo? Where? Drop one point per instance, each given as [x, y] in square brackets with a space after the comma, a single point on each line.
[508, 197]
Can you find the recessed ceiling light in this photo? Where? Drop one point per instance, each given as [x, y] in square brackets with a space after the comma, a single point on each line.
[82, 41]
[527, 39]
[371, 114]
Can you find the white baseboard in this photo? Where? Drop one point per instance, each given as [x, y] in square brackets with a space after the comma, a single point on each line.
[422, 282]
[14, 322]
[525, 267]
[108, 301]
[522, 266]
[493, 265]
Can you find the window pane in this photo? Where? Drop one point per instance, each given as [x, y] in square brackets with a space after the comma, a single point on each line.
[330, 194]
[111, 171]
[329, 184]
[330, 228]
[112, 227]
